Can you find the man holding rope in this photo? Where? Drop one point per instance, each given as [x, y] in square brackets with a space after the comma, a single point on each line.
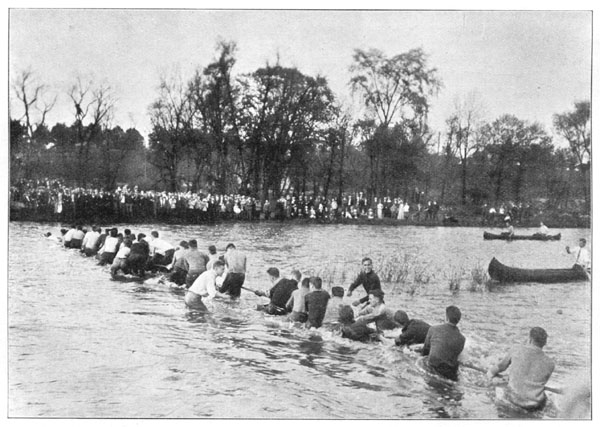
[530, 370]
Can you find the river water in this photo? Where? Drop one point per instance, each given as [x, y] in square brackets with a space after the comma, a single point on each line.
[81, 345]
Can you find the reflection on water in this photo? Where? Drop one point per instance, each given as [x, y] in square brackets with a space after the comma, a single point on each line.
[82, 345]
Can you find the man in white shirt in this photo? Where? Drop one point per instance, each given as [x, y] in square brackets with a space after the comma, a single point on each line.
[161, 252]
[88, 246]
[583, 255]
[204, 287]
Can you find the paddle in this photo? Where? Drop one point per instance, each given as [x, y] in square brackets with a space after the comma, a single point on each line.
[484, 371]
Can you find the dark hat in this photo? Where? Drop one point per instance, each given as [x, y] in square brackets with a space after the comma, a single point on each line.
[401, 317]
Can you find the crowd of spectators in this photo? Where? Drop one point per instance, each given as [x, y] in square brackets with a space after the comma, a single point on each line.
[52, 200]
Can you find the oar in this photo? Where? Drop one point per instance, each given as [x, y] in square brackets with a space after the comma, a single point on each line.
[484, 371]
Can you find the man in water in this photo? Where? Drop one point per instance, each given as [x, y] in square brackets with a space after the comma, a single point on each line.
[204, 287]
[161, 252]
[316, 303]
[197, 262]
[367, 278]
[414, 331]
[376, 312]
[443, 344]
[296, 303]
[583, 255]
[353, 330]
[138, 256]
[88, 246]
[279, 294]
[333, 307]
[530, 370]
[236, 272]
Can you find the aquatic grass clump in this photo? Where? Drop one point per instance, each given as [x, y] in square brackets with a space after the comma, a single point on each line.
[455, 277]
[480, 279]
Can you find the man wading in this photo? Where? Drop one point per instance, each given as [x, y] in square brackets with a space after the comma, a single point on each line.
[443, 344]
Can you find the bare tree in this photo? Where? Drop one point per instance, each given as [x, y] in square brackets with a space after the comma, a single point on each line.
[171, 116]
[462, 127]
[574, 126]
[94, 107]
[36, 103]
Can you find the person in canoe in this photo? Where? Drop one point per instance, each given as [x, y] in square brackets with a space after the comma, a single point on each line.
[530, 370]
[279, 294]
[509, 230]
[367, 278]
[582, 257]
[443, 345]
[543, 230]
[414, 331]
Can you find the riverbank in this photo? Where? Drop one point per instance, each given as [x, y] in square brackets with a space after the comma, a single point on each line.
[551, 219]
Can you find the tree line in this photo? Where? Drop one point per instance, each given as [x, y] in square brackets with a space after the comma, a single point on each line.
[277, 131]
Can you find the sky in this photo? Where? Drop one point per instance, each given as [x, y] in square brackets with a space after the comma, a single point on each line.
[532, 64]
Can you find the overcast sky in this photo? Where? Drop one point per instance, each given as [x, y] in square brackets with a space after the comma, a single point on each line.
[530, 64]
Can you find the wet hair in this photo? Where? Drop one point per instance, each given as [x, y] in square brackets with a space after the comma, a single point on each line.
[218, 263]
[48, 234]
[401, 317]
[193, 243]
[337, 291]
[127, 231]
[453, 314]
[377, 293]
[273, 271]
[212, 249]
[538, 336]
[230, 245]
[296, 274]
[141, 236]
[184, 244]
[306, 282]
[317, 282]
[154, 233]
[346, 315]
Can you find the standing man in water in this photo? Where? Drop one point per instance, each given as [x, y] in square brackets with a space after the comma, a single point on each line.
[236, 272]
[367, 278]
[279, 294]
[583, 255]
[530, 370]
[204, 287]
[443, 344]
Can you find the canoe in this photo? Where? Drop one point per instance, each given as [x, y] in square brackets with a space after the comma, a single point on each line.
[503, 273]
[537, 236]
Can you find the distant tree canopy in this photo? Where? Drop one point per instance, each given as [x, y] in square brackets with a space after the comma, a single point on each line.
[277, 130]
